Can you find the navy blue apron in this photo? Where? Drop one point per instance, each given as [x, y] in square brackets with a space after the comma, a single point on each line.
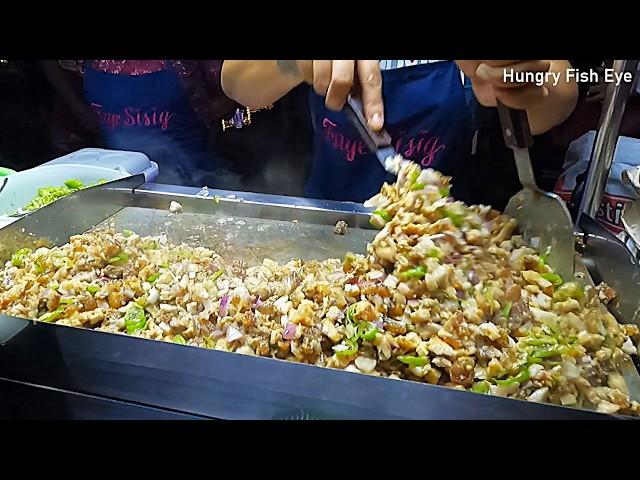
[151, 114]
[428, 113]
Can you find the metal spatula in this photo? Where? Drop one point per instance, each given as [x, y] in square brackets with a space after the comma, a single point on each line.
[378, 142]
[543, 217]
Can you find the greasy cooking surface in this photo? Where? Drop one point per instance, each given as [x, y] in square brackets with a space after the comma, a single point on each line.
[445, 295]
[244, 238]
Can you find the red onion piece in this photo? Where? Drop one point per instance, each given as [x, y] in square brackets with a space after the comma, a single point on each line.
[224, 306]
[217, 334]
[473, 277]
[290, 331]
[379, 324]
[257, 302]
[460, 294]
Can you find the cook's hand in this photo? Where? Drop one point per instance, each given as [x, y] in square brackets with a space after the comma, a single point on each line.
[596, 93]
[487, 77]
[335, 79]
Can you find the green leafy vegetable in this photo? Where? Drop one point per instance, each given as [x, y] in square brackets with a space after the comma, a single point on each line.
[93, 289]
[127, 233]
[179, 339]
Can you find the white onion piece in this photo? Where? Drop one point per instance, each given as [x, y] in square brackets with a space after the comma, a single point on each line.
[540, 395]
[233, 334]
[365, 364]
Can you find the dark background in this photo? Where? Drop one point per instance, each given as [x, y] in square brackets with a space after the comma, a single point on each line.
[271, 155]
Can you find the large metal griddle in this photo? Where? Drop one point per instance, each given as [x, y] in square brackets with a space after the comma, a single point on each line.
[77, 370]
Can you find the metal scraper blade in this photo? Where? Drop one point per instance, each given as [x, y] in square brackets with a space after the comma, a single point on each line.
[544, 221]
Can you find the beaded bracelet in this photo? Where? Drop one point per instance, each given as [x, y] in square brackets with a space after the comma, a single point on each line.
[241, 118]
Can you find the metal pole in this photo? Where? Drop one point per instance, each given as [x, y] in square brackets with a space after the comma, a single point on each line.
[606, 138]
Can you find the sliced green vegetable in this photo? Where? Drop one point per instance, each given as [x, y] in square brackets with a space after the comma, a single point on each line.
[141, 301]
[52, 316]
[127, 233]
[17, 260]
[93, 289]
[417, 186]
[543, 259]
[164, 265]
[538, 342]
[47, 195]
[153, 278]
[418, 272]
[568, 290]
[179, 339]
[481, 387]
[150, 245]
[345, 349]
[384, 214]
[506, 310]
[74, 184]
[413, 361]
[40, 267]
[135, 319]
[209, 342]
[217, 275]
[53, 286]
[120, 259]
[67, 301]
[435, 253]
[520, 378]
[456, 217]
[553, 278]
[371, 332]
[549, 352]
[445, 191]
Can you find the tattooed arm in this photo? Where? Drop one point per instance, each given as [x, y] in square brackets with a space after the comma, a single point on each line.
[258, 83]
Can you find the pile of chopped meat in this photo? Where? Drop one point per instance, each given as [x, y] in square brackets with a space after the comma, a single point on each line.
[446, 294]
